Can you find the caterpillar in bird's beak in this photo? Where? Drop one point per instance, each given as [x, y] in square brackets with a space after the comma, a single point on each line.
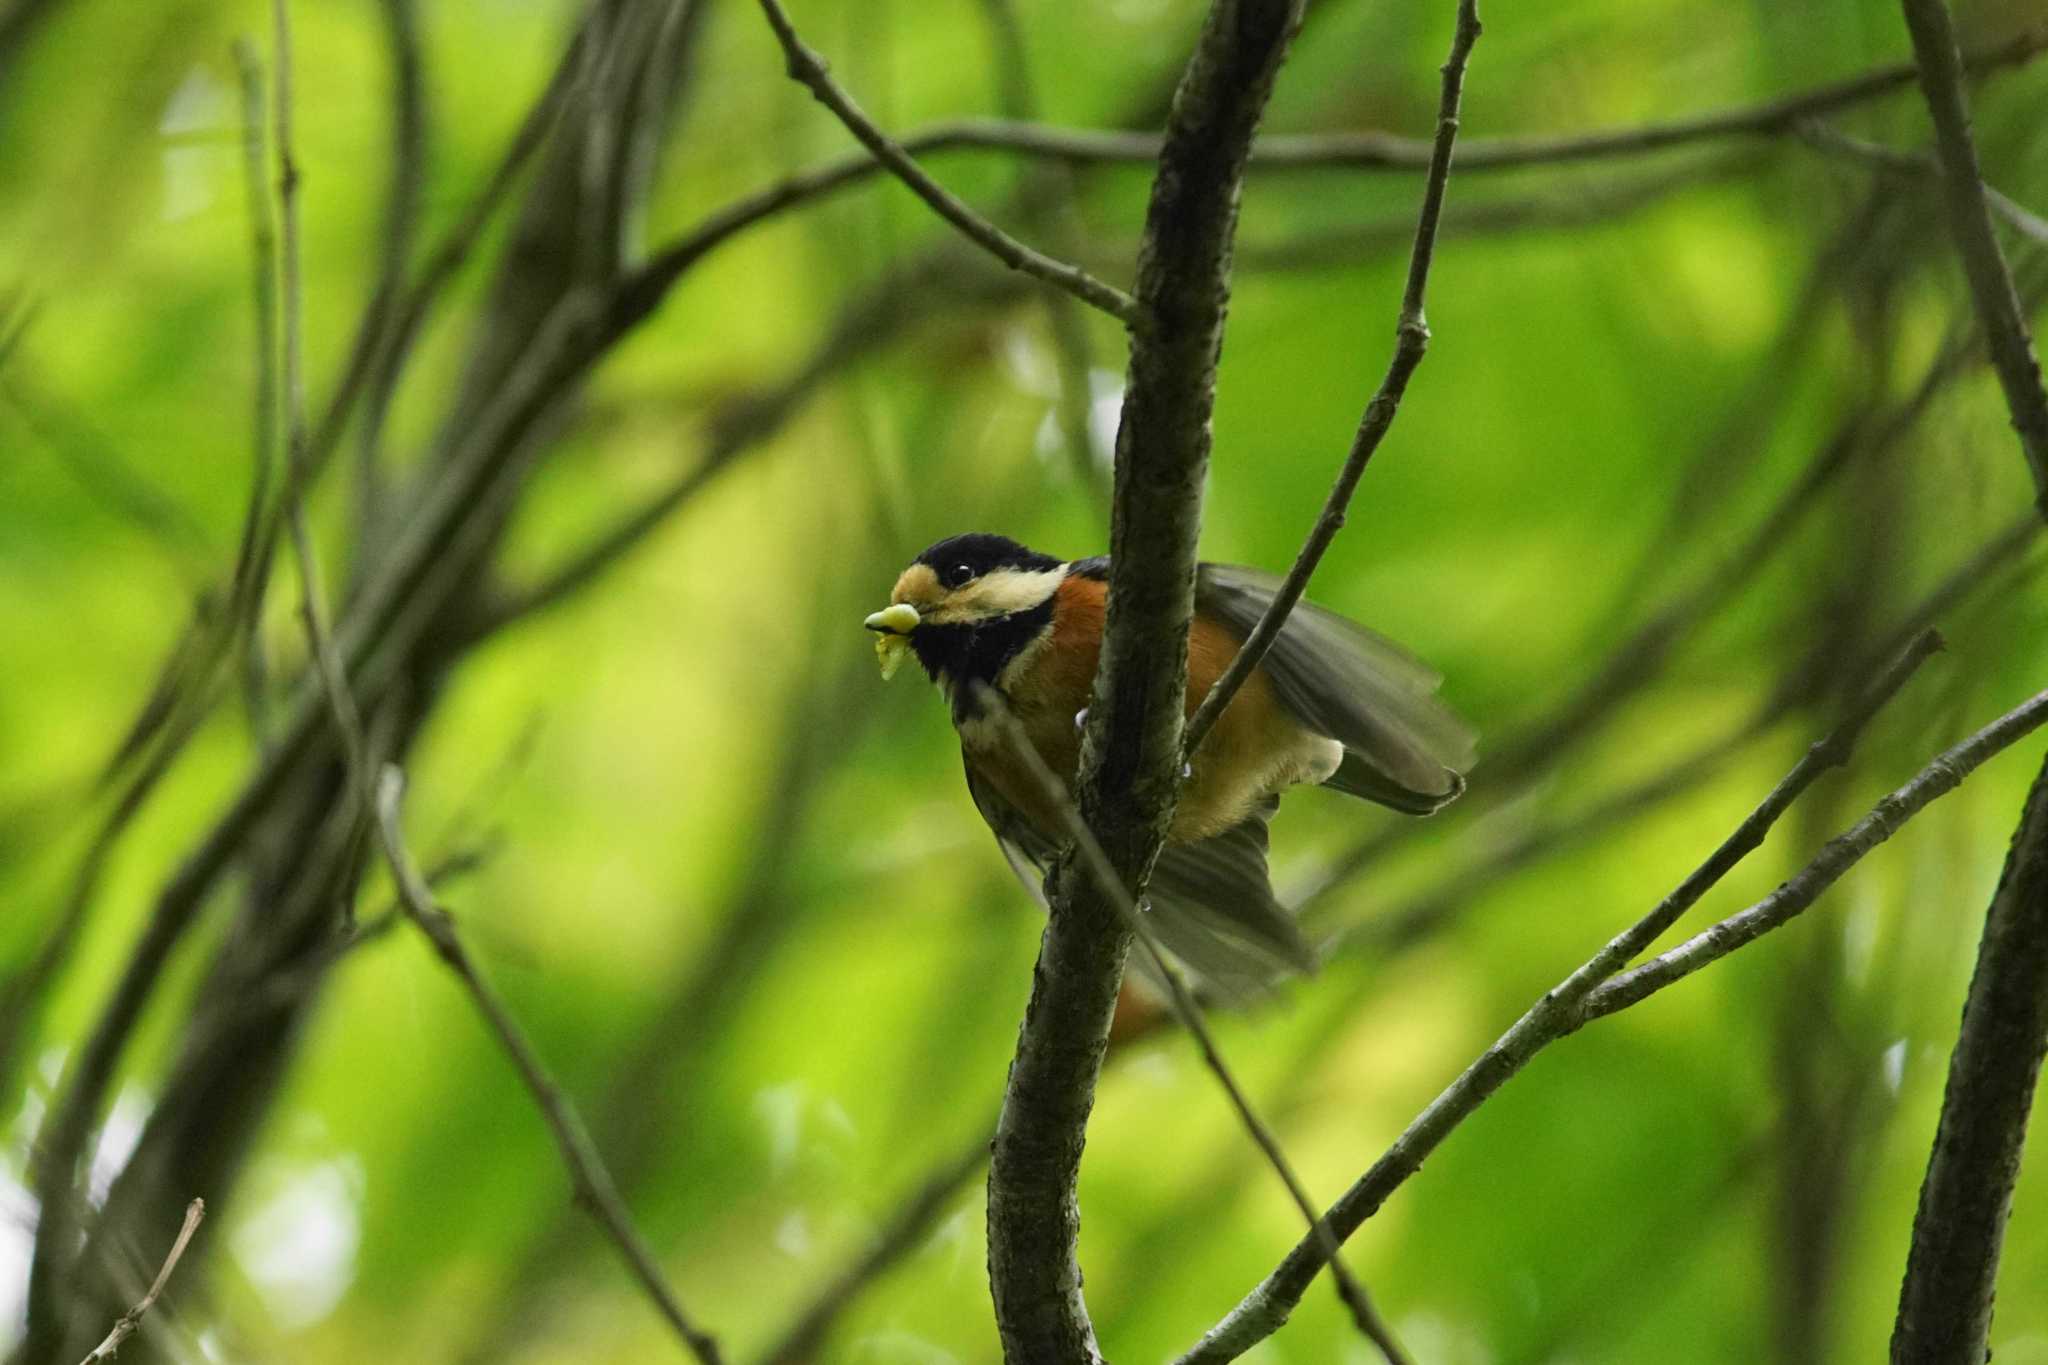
[892, 627]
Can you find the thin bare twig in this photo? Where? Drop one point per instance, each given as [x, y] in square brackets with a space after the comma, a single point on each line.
[1643, 652]
[1824, 137]
[390, 611]
[245, 609]
[348, 726]
[1941, 775]
[1561, 1011]
[1430, 908]
[426, 562]
[66, 1132]
[798, 1344]
[125, 1326]
[383, 338]
[195, 654]
[808, 68]
[592, 1181]
[593, 1185]
[1411, 340]
[1368, 150]
[1998, 302]
[401, 223]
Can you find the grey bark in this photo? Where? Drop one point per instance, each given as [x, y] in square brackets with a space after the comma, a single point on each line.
[1130, 762]
[1952, 1268]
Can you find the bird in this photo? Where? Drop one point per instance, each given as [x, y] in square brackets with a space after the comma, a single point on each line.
[995, 624]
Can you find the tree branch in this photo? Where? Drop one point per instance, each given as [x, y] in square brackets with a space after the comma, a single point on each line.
[125, 1326]
[1939, 777]
[401, 222]
[1567, 1006]
[1952, 1268]
[348, 726]
[878, 315]
[808, 68]
[1998, 303]
[799, 1343]
[428, 559]
[1181, 1001]
[1824, 137]
[1426, 911]
[1959, 1228]
[1630, 665]
[592, 1182]
[1130, 749]
[1372, 151]
[1944, 1306]
[245, 597]
[1411, 340]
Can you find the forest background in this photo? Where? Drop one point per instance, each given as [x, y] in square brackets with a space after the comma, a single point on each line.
[611, 435]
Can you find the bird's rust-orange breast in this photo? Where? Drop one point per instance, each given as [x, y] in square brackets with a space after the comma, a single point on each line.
[1254, 741]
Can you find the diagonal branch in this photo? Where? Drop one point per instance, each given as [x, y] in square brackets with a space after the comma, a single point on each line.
[1952, 1270]
[392, 609]
[593, 1183]
[808, 68]
[800, 1342]
[1567, 1006]
[1826, 138]
[1365, 150]
[125, 1325]
[1941, 775]
[348, 726]
[331, 686]
[1431, 908]
[1411, 340]
[1969, 216]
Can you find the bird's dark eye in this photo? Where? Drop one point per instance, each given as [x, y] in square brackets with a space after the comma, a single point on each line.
[955, 576]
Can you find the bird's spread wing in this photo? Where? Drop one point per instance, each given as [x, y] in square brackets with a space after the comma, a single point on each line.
[1402, 746]
[1210, 903]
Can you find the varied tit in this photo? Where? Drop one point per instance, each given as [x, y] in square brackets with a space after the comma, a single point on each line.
[1331, 703]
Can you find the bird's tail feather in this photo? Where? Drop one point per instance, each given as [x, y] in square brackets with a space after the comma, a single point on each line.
[1211, 905]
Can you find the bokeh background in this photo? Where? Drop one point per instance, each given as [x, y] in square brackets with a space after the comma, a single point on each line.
[1699, 436]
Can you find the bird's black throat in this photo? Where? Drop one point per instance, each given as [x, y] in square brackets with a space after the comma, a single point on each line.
[959, 656]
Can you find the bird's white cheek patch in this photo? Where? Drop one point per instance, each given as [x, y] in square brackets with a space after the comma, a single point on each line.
[1000, 592]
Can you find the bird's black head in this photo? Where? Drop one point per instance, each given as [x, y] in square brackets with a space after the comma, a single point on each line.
[967, 606]
[959, 560]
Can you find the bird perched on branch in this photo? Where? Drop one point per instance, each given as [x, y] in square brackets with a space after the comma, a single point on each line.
[1331, 703]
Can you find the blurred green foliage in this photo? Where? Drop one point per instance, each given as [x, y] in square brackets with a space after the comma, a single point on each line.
[1612, 401]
